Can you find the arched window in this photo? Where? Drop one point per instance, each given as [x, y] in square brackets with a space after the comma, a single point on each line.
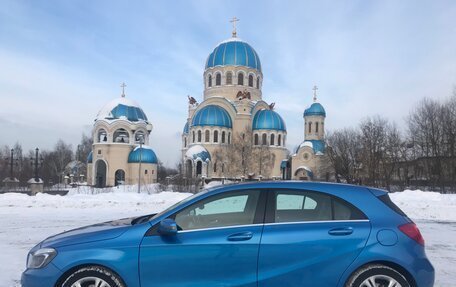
[264, 140]
[121, 136]
[310, 127]
[322, 127]
[284, 138]
[119, 177]
[209, 81]
[216, 136]
[215, 167]
[229, 78]
[199, 136]
[316, 127]
[193, 136]
[255, 139]
[229, 138]
[258, 82]
[139, 136]
[223, 137]
[218, 79]
[223, 167]
[279, 139]
[207, 136]
[241, 79]
[185, 142]
[102, 136]
[272, 142]
[250, 81]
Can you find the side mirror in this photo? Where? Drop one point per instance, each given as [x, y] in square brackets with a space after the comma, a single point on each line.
[167, 227]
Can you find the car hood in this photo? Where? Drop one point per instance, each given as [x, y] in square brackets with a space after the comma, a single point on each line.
[96, 232]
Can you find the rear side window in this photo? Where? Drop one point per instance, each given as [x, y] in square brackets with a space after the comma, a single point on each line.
[308, 206]
[387, 200]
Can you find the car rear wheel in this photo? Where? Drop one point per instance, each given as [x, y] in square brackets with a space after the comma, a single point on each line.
[93, 276]
[377, 276]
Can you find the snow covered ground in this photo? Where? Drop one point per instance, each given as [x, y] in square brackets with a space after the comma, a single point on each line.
[26, 220]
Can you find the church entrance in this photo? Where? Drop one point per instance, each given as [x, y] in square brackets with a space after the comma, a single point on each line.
[100, 174]
[189, 168]
[119, 177]
[199, 168]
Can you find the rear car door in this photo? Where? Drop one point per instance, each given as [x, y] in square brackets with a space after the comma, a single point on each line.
[216, 245]
[309, 239]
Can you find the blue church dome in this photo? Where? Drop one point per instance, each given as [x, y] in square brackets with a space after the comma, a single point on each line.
[268, 120]
[318, 146]
[198, 152]
[90, 157]
[186, 128]
[212, 115]
[146, 154]
[234, 52]
[316, 109]
[122, 108]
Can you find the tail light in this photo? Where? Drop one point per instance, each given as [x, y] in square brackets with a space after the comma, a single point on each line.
[412, 231]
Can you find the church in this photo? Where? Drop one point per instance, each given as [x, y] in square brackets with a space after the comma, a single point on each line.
[233, 133]
[120, 151]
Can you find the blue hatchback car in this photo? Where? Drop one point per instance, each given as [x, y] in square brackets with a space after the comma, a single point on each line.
[264, 234]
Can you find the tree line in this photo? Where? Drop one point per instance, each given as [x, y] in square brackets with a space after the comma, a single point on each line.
[377, 153]
[52, 164]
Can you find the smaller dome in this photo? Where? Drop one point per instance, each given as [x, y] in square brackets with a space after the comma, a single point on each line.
[268, 120]
[212, 115]
[144, 154]
[318, 146]
[198, 152]
[316, 109]
[186, 128]
[122, 108]
[90, 157]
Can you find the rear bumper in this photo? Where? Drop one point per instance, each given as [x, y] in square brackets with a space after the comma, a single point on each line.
[46, 276]
[424, 273]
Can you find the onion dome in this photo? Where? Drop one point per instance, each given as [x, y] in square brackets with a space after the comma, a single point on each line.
[186, 128]
[198, 152]
[268, 120]
[234, 52]
[90, 157]
[212, 115]
[316, 109]
[122, 108]
[318, 146]
[144, 155]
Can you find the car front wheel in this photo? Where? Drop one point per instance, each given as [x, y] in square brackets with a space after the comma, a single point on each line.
[93, 276]
[377, 276]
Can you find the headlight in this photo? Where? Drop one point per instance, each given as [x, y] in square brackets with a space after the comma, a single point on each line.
[40, 258]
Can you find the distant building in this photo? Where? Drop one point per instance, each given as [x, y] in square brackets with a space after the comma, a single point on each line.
[121, 153]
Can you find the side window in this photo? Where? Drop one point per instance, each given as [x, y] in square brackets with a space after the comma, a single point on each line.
[299, 206]
[228, 209]
[302, 206]
[346, 211]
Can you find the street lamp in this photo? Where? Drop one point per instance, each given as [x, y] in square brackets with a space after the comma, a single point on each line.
[36, 163]
[11, 164]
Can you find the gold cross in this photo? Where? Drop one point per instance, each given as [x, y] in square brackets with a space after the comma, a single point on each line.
[123, 89]
[234, 20]
[315, 88]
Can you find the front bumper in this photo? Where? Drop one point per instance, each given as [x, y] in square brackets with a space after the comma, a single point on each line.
[43, 277]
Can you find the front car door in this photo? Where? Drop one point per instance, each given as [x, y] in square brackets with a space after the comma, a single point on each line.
[309, 239]
[217, 244]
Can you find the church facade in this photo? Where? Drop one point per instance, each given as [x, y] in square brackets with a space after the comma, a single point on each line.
[233, 133]
[120, 152]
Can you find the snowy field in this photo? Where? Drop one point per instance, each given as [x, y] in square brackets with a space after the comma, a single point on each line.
[26, 220]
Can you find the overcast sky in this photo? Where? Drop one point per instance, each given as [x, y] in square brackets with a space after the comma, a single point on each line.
[61, 61]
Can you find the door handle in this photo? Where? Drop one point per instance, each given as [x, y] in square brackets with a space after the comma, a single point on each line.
[240, 236]
[341, 231]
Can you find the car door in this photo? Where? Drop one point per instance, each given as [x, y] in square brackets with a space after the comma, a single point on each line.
[217, 244]
[309, 239]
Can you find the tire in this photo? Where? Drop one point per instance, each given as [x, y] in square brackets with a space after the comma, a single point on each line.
[93, 276]
[377, 276]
